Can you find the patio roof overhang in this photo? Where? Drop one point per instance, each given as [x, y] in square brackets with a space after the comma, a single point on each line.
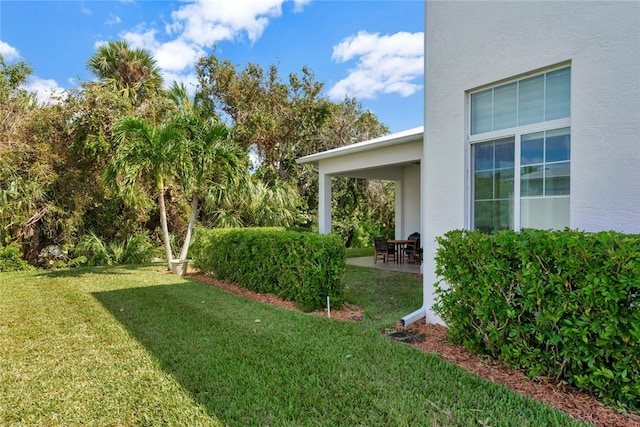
[410, 135]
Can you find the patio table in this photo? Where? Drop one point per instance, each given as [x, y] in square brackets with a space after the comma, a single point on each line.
[400, 245]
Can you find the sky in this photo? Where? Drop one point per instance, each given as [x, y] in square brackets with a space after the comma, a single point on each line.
[370, 50]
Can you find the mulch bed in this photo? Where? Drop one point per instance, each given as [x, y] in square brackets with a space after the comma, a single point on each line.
[432, 338]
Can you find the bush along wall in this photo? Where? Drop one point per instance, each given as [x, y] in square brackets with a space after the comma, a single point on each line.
[302, 267]
[562, 304]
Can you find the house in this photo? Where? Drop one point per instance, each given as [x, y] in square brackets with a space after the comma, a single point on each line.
[532, 120]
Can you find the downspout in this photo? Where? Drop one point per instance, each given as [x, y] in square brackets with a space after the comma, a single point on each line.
[414, 317]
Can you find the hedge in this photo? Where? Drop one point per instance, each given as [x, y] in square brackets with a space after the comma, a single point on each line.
[303, 267]
[563, 304]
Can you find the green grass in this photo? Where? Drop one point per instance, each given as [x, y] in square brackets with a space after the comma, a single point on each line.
[385, 295]
[358, 252]
[131, 346]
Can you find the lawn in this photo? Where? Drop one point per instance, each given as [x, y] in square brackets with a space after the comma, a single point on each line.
[132, 346]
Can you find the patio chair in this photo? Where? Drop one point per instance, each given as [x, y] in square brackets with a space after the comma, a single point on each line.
[383, 250]
[412, 248]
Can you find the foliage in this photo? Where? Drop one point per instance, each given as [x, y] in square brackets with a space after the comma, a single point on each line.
[12, 77]
[135, 249]
[53, 183]
[11, 258]
[559, 304]
[247, 201]
[279, 120]
[148, 155]
[302, 267]
[362, 210]
[131, 72]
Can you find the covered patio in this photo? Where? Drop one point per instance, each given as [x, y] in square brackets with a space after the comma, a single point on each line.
[396, 157]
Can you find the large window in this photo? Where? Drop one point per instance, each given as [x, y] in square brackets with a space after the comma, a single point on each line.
[521, 153]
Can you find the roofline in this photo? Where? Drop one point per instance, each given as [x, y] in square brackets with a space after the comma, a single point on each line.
[383, 141]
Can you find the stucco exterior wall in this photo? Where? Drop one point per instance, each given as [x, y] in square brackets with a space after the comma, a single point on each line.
[472, 44]
[411, 202]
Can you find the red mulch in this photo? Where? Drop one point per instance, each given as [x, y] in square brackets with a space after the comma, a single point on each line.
[433, 340]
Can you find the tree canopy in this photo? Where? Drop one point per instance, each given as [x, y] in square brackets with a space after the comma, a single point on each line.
[124, 157]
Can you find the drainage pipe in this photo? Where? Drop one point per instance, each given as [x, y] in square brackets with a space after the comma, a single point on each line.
[413, 317]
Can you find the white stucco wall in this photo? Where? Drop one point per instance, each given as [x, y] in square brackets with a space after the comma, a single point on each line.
[410, 202]
[471, 44]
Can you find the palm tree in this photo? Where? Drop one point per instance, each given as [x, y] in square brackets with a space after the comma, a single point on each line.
[200, 105]
[248, 201]
[132, 72]
[214, 161]
[151, 153]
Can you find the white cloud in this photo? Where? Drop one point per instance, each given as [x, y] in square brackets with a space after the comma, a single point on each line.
[47, 90]
[8, 52]
[177, 55]
[198, 25]
[385, 64]
[190, 81]
[142, 39]
[113, 19]
[206, 21]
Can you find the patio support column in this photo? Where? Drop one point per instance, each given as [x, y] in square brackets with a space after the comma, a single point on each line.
[399, 213]
[324, 203]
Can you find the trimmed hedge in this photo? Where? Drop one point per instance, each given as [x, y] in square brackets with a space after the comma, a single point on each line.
[562, 304]
[302, 267]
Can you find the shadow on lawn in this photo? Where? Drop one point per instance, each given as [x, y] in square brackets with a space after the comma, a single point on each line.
[252, 364]
[109, 270]
[218, 347]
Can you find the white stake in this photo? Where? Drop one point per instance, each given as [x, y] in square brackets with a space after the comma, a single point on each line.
[328, 307]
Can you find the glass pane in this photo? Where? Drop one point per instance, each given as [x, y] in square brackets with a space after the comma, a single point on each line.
[503, 215]
[481, 111]
[545, 213]
[558, 97]
[532, 181]
[483, 216]
[505, 106]
[505, 153]
[483, 186]
[557, 178]
[483, 156]
[531, 100]
[504, 184]
[532, 148]
[558, 145]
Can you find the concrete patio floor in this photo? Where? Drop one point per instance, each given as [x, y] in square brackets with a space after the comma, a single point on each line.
[391, 265]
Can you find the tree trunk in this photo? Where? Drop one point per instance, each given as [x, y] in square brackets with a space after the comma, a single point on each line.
[192, 220]
[163, 224]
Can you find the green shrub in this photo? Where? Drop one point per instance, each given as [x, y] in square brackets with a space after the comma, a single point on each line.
[300, 267]
[561, 304]
[135, 249]
[11, 258]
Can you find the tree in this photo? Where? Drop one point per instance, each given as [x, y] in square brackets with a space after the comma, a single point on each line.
[132, 72]
[214, 161]
[247, 201]
[281, 121]
[272, 118]
[151, 154]
[200, 105]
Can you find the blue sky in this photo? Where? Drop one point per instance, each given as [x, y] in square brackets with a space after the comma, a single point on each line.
[371, 50]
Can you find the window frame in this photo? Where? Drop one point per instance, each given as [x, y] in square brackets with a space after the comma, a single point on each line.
[516, 133]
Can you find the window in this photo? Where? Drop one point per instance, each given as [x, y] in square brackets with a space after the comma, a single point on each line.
[533, 100]
[521, 145]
